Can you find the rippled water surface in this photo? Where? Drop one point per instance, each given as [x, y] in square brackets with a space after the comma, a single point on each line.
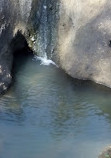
[46, 114]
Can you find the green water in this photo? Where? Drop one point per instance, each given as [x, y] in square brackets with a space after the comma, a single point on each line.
[46, 114]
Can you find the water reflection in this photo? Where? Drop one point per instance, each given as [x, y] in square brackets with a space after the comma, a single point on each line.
[48, 114]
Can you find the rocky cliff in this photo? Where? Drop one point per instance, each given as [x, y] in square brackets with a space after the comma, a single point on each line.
[76, 34]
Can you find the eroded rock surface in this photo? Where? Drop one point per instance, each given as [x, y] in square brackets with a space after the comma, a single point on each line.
[76, 34]
[13, 17]
[84, 36]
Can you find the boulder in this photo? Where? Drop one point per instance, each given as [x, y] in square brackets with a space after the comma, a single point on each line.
[84, 39]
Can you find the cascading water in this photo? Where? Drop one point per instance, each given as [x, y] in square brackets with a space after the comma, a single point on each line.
[43, 32]
[46, 33]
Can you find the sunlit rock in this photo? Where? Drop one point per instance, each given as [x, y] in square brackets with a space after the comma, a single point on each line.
[84, 34]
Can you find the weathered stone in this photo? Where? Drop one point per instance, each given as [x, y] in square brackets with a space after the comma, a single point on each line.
[78, 34]
[13, 18]
[84, 36]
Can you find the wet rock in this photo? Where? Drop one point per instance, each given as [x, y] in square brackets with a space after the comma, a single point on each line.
[13, 19]
[77, 40]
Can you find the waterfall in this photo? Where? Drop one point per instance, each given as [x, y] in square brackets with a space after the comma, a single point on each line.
[46, 32]
[43, 32]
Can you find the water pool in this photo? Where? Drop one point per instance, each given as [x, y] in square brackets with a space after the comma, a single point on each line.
[47, 114]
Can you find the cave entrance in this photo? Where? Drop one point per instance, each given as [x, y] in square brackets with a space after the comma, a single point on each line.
[21, 52]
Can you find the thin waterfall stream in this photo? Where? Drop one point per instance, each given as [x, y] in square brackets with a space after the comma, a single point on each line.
[45, 39]
[43, 32]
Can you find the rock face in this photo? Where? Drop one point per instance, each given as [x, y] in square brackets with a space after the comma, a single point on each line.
[84, 34]
[35, 20]
[45, 24]
[76, 34]
[13, 17]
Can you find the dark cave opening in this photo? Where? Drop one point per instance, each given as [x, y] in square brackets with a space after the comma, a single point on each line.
[21, 52]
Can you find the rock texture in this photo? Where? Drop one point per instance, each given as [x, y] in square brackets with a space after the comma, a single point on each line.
[45, 17]
[106, 153]
[84, 34]
[75, 33]
[13, 17]
[35, 20]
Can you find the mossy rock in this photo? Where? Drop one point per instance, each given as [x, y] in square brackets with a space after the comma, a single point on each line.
[106, 153]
